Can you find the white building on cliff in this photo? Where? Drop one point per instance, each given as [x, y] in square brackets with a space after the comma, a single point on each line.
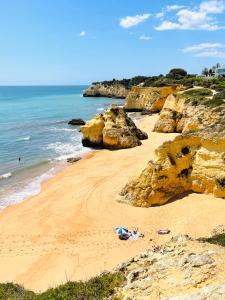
[220, 71]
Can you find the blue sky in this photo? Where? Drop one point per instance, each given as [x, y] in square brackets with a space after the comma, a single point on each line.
[80, 41]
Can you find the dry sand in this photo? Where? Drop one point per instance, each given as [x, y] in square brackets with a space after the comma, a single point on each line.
[67, 231]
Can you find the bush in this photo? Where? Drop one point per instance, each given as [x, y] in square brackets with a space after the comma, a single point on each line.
[101, 287]
[177, 73]
[218, 239]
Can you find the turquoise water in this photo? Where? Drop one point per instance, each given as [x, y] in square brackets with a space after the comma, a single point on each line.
[33, 126]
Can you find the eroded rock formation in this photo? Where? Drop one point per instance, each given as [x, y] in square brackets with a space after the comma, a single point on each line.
[149, 99]
[181, 269]
[191, 110]
[191, 162]
[112, 130]
[104, 90]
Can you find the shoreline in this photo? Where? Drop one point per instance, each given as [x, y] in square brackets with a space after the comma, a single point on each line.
[66, 232]
[55, 167]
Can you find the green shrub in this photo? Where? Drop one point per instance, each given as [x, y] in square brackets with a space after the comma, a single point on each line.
[218, 239]
[97, 288]
[11, 291]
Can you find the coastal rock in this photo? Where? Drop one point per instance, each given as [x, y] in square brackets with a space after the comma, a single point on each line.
[112, 130]
[72, 160]
[191, 162]
[76, 122]
[190, 111]
[149, 99]
[105, 90]
[92, 132]
[178, 270]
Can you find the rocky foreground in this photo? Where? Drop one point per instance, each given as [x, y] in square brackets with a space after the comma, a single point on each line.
[182, 269]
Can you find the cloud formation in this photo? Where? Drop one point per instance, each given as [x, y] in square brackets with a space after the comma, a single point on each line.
[200, 18]
[207, 50]
[131, 21]
[82, 33]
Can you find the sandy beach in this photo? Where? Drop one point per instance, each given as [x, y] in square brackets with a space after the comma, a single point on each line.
[67, 231]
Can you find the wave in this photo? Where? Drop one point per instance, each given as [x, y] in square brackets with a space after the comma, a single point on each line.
[63, 129]
[26, 138]
[100, 109]
[30, 189]
[6, 175]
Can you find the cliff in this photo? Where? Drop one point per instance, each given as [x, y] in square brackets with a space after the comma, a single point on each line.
[190, 110]
[149, 99]
[190, 163]
[106, 90]
[112, 130]
[181, 269]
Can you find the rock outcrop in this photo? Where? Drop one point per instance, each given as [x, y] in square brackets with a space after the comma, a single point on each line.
[181, 269]
[190, 110]
[76, 122]
[149, 99]
[112, 130]
[191, 162]
[105, 90]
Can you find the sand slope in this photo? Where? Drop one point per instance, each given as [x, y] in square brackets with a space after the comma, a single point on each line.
[67, 231]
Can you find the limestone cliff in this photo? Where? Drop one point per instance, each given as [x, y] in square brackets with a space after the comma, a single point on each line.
[191, 110]
[191, 162]
[106, 90]
[112, 130]
[181, 269]
[149, 99]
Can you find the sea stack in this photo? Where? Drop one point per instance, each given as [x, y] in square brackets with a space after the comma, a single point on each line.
[112, 130]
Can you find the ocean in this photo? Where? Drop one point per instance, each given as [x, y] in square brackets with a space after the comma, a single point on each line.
[34, 127]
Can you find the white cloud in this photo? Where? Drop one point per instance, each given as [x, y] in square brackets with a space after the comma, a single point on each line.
[201, 18]
[160, 15]
[167, 25]
[82, 33]
[212, 7]
[145, 38]
[207, 50]
[174, 7]
[130, 21]
[203, 46]
[216, 54]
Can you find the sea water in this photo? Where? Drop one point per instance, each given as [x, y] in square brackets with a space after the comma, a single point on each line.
[35, 138]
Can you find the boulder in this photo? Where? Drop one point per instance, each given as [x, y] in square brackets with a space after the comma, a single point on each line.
[112, 130]
[192, 162]
[72, 160]
[106, 90]
[76, 122]
[149, 99]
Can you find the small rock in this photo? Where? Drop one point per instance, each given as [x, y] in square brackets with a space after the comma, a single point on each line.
[198, 260]
[72, 160]
[180, 238]
[76, 122]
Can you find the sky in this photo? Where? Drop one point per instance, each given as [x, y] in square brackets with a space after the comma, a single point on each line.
[45, 42]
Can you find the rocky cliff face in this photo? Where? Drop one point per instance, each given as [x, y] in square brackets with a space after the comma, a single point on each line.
[182, 269]
[149, 99]
[192, 162]
[191, 110]
[104, 90]
[112, 130]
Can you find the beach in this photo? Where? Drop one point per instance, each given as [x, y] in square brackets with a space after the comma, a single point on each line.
[66, 232]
